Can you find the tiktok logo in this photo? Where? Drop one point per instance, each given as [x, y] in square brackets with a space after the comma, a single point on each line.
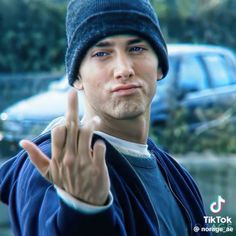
[216, 207]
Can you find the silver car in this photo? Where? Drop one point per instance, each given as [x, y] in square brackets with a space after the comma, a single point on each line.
[200, 77]
[29, 117]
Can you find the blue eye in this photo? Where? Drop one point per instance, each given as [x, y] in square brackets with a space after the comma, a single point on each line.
[137, 49]
[100, 54]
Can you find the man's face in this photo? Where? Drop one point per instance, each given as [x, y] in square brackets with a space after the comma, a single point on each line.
[118, 76]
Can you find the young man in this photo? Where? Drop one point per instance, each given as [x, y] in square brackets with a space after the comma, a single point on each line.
[102, 176]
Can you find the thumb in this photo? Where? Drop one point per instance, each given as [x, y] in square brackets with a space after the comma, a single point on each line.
[38, 158]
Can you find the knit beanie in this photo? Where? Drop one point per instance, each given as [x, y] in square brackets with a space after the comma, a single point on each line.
[89, 21]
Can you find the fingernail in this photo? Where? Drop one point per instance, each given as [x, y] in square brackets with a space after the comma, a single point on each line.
[21, 143]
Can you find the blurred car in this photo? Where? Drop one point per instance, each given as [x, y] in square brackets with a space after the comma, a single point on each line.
[200, 77]
[29, 117]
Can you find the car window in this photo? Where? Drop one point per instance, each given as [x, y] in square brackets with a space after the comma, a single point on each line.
[192, 75]
[219, 69]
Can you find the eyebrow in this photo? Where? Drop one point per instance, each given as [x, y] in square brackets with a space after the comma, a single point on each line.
[110, 44]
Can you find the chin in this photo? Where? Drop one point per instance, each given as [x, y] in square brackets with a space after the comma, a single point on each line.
[127, 115]
[126, 110]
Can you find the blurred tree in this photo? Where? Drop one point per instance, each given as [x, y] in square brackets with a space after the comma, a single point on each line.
[32, 35]
[195, 8]
[177, 136]
[198, 21]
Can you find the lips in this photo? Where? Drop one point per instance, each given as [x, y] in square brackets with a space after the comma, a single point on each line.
[125, 87]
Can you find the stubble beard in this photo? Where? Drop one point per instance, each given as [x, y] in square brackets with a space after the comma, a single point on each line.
[126, 110]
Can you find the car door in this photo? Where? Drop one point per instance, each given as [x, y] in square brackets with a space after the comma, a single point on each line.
[194, 86]
[223, 84]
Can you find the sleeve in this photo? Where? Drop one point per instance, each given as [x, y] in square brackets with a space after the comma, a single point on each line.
[36, 209]
[82, 206]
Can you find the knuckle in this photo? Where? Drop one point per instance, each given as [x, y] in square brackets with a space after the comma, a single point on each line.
[82, 165]
[58, 131]
[68, 161]
[71, 124]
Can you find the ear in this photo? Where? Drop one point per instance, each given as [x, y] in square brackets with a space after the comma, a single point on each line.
[159, 74]
[78, 84]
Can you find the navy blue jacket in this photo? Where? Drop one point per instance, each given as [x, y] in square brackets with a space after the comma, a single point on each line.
[35, 208]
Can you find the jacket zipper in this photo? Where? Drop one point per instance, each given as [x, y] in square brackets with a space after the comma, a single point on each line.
[157, 220]
[189, 219]
[174, 194]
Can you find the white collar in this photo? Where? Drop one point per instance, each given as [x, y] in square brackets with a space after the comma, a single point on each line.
[123, 146]
[126, 147]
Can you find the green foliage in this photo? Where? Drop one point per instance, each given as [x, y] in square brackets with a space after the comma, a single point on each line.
[216, 133]
[198, 21]
[32, 35]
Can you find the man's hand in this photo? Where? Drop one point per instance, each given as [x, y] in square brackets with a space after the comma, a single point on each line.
[74, 166]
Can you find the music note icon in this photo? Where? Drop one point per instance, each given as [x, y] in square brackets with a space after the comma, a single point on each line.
[216, 207]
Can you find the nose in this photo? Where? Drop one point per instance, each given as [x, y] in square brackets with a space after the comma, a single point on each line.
[123, 67]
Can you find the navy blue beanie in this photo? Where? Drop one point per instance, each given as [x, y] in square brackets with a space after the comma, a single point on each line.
[89, 21]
